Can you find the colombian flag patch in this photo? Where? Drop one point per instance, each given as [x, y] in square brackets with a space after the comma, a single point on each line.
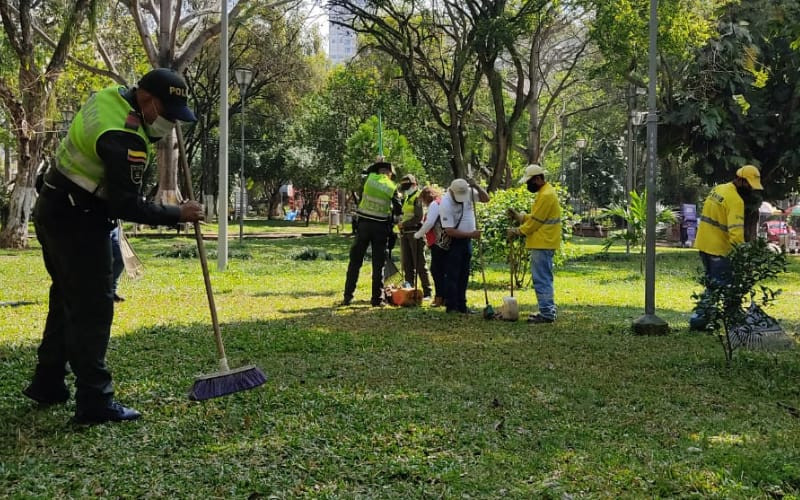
[137, 156]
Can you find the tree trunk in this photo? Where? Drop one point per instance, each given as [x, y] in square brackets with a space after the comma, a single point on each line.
[7, 164]
[750, 224]
[168, 192]
[458, 163]
[23, 196]
[534, 133]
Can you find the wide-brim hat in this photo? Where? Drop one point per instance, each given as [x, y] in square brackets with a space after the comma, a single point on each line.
[378, 165]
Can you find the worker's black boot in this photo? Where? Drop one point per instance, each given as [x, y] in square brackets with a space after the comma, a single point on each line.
[47, 390]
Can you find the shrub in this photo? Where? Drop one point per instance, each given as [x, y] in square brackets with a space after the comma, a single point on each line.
[726, 306]
[189, 251]
[494, 222]
[308, 253]
[635, 214]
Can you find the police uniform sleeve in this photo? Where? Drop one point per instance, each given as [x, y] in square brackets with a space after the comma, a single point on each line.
[125, 158]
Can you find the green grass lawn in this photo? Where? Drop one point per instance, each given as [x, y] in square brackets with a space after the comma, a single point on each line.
[399, 403]
[252, 227]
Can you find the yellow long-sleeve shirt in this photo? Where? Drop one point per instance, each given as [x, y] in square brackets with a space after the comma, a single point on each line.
[722, 221]
[542, 227]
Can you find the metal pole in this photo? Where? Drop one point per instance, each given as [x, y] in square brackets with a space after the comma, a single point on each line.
[580, 184]
[241, 171]
[629, 172]
[222, 202]
[563, 127]
[649, 323]
[652, 141]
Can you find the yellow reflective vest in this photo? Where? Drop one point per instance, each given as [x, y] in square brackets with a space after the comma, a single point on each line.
[542, 227]
[77, 154]
[376, 199]
[722, 222]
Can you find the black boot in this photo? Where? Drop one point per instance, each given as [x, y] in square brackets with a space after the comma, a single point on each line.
[113, 412]
[47, 392]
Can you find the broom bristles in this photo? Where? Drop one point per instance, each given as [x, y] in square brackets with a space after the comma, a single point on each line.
[214, 385]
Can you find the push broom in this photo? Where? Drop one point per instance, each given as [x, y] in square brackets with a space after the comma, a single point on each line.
[226, 380]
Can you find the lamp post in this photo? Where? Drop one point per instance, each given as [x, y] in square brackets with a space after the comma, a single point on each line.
[580, 144]
[67, 114]
[222, 199]
[635, 119]
[243, 78]
[649, 323]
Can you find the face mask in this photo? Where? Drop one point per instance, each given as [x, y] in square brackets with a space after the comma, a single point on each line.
[750, 197]
[532, 186]
[159, 128]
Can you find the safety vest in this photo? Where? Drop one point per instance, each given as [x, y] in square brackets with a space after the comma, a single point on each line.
[77, 156]
[721, 222]
[542, 227]
[408, 206]
[376, 200]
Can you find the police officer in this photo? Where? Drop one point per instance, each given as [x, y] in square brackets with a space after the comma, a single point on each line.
[721, 227]
[412, 250]
[374, 229]
[97, 179]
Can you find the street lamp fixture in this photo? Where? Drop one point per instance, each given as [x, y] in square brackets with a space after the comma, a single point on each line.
[580, 144]
[244, 77]
[67, 115]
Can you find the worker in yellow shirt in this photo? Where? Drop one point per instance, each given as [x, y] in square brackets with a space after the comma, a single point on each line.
[542, 230]
[721, 227]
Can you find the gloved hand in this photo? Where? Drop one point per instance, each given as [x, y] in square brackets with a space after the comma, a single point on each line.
[515, 216]
[512, 233]
[191, 211]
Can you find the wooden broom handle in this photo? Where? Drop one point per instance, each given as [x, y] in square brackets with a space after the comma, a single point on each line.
[201, 250]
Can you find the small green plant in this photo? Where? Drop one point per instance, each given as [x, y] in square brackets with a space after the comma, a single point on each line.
[189, 251]
[493, 221]
[308, 253]
[635, 215]
[725, 303]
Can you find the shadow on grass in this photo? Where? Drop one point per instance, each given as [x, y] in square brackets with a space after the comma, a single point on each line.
[17, 303]
[397, 402]
[295, 294]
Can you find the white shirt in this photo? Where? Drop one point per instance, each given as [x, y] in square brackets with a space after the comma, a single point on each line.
[456, 215]
[430, 220]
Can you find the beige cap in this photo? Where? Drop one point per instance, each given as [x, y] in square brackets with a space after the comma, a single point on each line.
[530, 171]
[460, 190]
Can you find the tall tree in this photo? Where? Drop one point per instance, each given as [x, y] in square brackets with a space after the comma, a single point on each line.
[432, 45]
[740, 104]
[172, 34]
[528, 52]
[28, 99]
